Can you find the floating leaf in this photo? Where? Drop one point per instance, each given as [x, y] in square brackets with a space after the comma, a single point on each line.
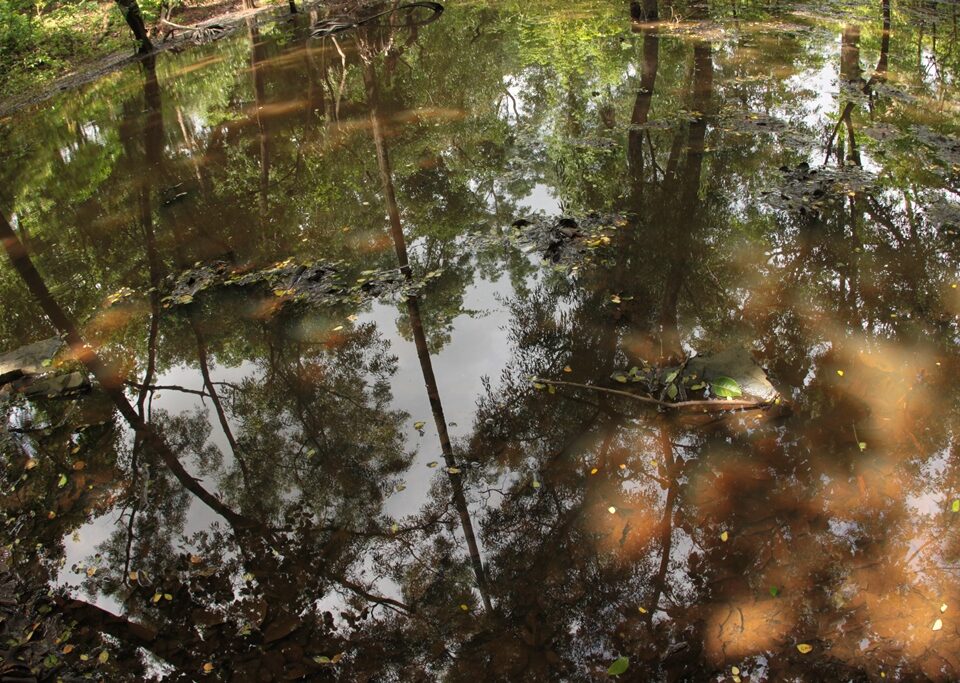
[31, 463]
[735, 670]
[567, 368]
[157, 597]
[167, 596]
[84, 658]
[724, 536]
[594, 470]
[62, 481]
[79, 465]
[619, 666]
[615, 299]
[420, 424]
[535, 484]
[643, 610]
[804, 648]
[432, 463]
[103, 657]
[207, 667]
[67, 649]
[453, 470]
[725, 387]
[464, 607]
[943, 608]
[938, 624]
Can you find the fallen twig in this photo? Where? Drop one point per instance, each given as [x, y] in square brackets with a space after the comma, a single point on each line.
[708, 405]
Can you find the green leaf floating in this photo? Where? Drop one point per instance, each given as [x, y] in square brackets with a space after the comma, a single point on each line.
[725, 387]
[619, 666]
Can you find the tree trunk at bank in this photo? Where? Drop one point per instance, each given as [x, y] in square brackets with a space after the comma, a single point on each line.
[134, 19]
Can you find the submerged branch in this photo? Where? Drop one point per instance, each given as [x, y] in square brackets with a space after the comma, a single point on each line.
[707, 405]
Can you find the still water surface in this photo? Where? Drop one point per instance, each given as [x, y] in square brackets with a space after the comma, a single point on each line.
[306, 283]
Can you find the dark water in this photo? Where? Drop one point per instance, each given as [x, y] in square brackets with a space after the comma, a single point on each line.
[339, 467]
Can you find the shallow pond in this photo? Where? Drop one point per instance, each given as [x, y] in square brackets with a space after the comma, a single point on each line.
[343, 320]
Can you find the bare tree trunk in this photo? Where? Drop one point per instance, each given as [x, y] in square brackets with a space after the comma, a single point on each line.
[131, 13]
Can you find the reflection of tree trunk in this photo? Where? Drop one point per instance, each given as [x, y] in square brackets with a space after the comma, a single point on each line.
[881, 71]
[689, 202]
[110, 382]
[260, 97]
[641, 109]
[420, 340]
[131, 14]
[666, 524]
[217, 405]
[456, 480]
[153, 144]
[386, 172]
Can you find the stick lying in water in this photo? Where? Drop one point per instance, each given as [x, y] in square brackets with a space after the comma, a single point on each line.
[706, 405]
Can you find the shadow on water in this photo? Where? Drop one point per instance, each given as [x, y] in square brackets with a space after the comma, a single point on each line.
[260, 264]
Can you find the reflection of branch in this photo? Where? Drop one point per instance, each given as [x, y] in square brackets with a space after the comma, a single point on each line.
[707, 405]
[165, 387]
[363, 593]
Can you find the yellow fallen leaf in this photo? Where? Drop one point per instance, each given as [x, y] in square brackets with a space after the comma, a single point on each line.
[737, 679]
[67, 649]
[840, 372]
[643, 610]
[622, 466]
[195, 559]
[594, 470]
[207, 667]
[724, 536]
[938, 624]
[615, 299]
[735, 670]
[91, 571]
[567, 368]
[353, 318]
[943, 608]
[464, 608]
[51, 514]
[394, 527]
[84, 658]
[536, 484]
[804, 649]
[167, 596]
[103, 657]
[79, 465]
[157, 597]
[31, 463]
[338, 328]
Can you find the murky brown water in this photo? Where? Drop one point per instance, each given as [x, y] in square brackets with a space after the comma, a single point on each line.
[302, 440]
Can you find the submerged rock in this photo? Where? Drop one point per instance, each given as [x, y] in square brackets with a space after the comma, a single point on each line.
[28, 371]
